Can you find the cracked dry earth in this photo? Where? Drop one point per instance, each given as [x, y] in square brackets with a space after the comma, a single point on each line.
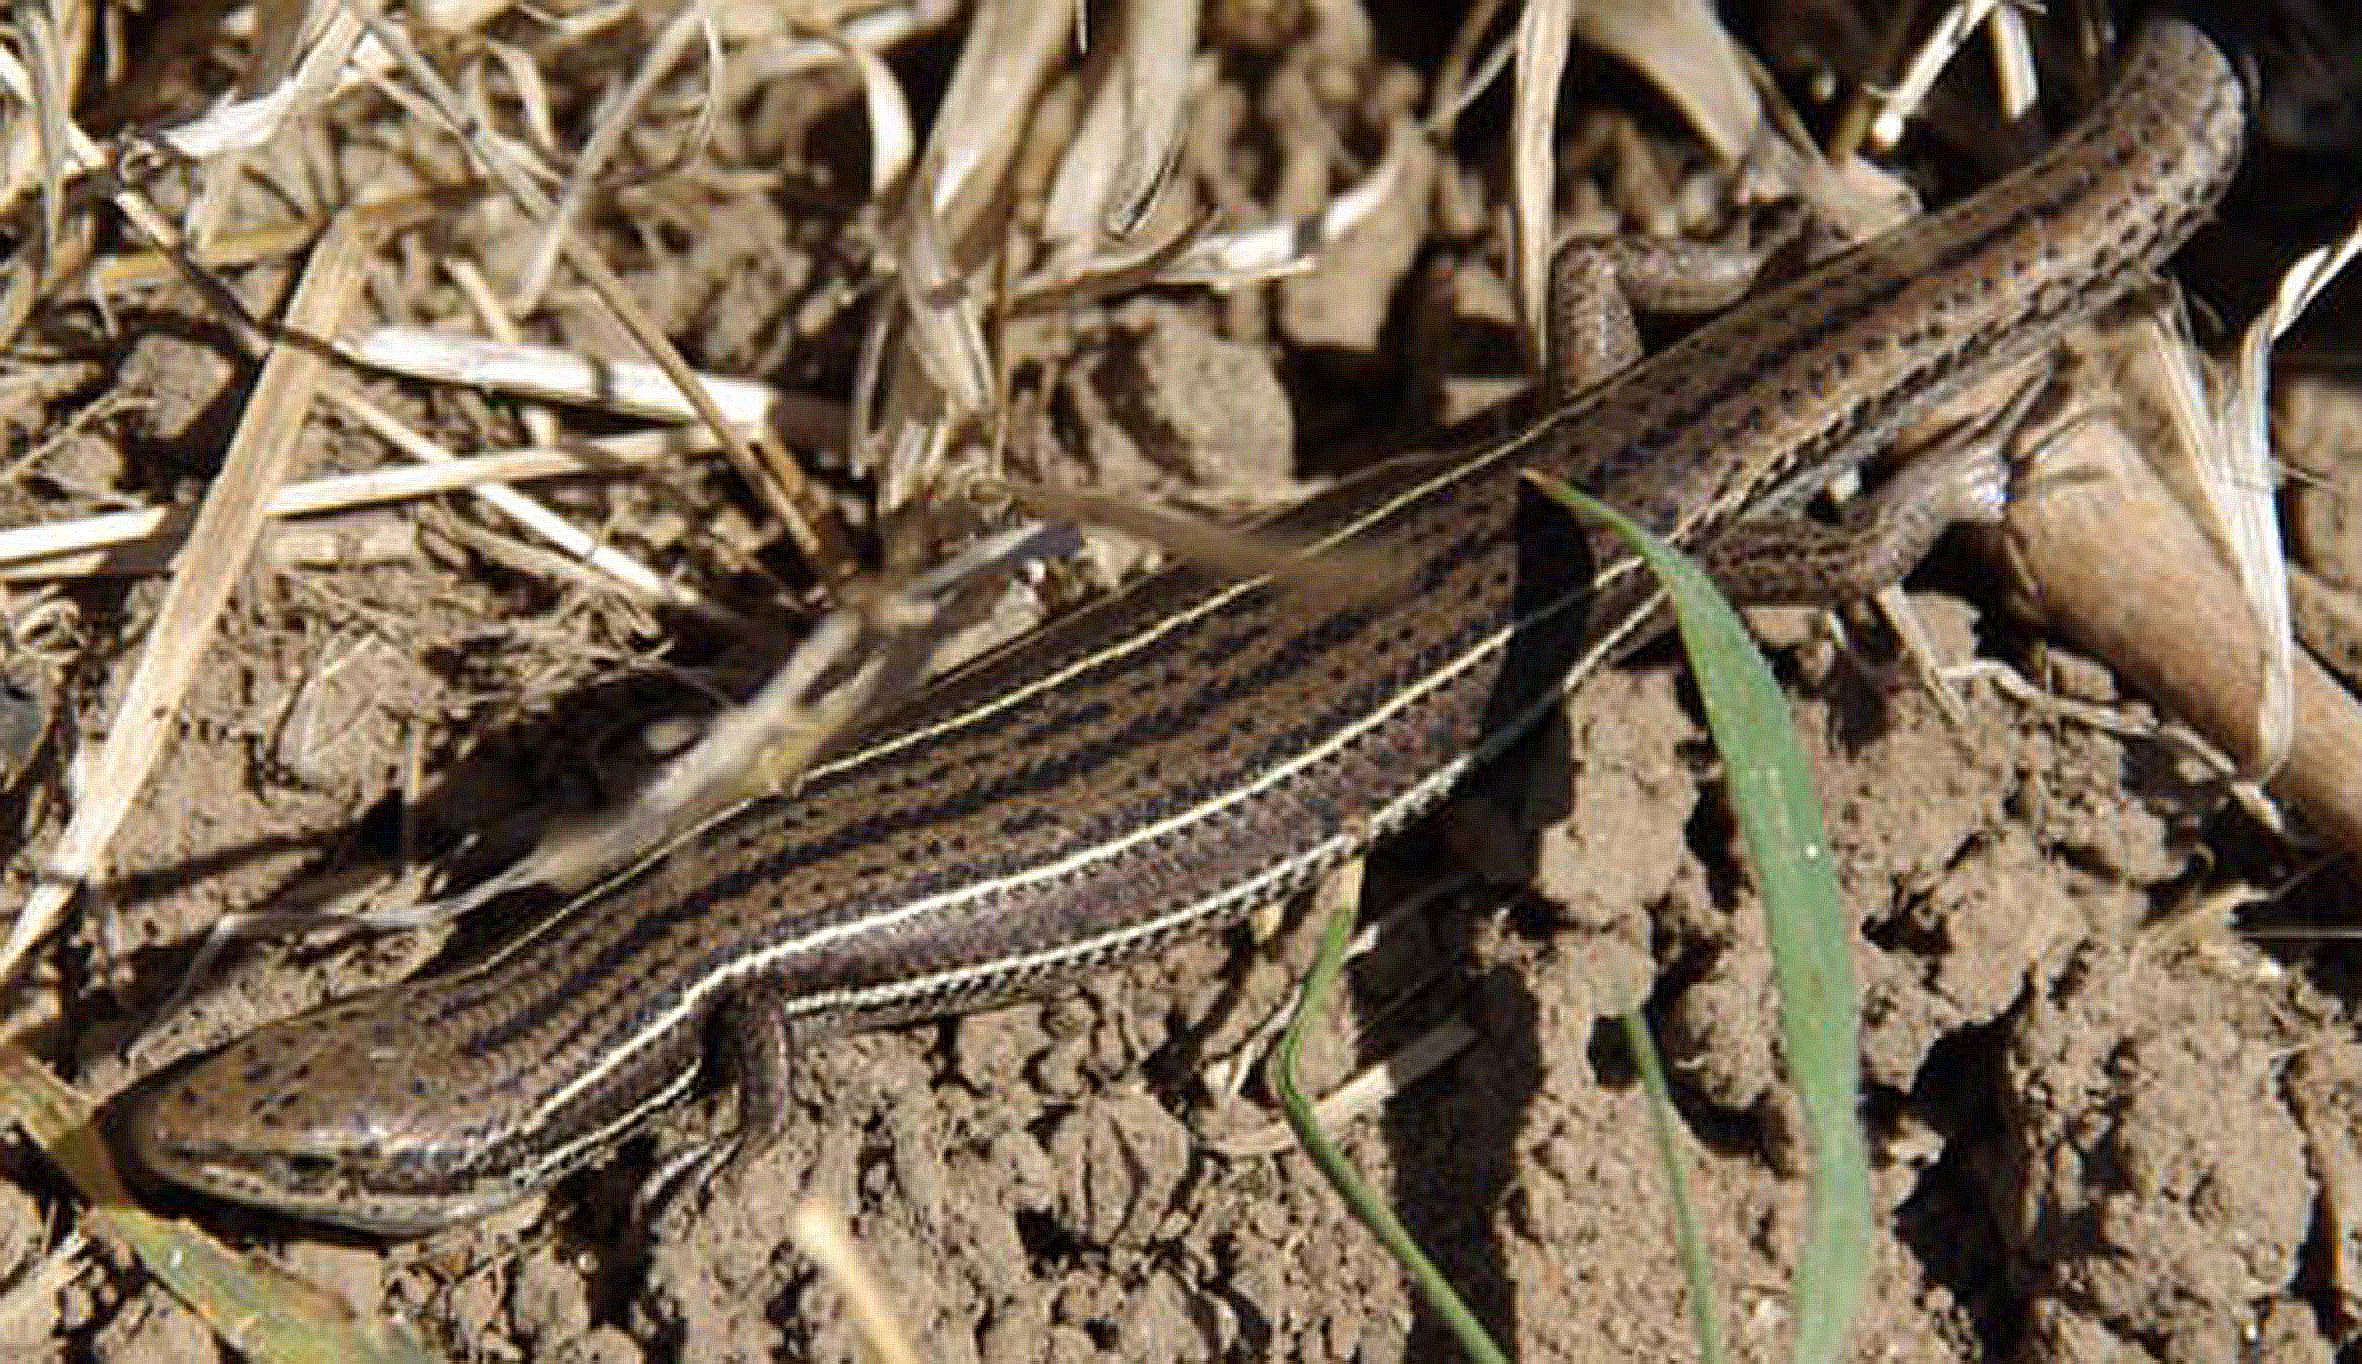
[2105, 1125]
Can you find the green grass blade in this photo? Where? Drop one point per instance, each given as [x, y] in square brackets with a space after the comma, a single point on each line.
[1811, 936]
[1697, 1267]
[1338, 899]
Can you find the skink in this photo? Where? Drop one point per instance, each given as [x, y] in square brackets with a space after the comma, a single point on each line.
[1187, 749]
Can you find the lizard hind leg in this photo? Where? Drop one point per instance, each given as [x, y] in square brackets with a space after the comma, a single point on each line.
[752, 1041]
[1597, 282]
[1792, 560]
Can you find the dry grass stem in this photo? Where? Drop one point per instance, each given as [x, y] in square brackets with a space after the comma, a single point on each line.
[1269, 250]
[820, 1232]
[582, 178]
[1898, 103]
[2237, 477]
[632, 387]
[221, 540]
[68, 549]
[875, 648]
[1362, 1092]
[803, 512]
[1543, 32]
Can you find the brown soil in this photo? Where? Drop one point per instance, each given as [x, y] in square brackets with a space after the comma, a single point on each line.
[2106, 1122]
